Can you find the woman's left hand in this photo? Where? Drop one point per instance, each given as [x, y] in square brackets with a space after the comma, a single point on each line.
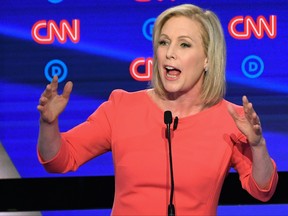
[248, 122]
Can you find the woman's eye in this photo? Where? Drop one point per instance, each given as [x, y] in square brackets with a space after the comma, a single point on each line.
[162, 42]
[185, 45]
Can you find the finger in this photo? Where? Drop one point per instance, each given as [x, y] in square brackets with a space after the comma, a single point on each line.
[256, 119]
[47, 93]
[67, 89]
[248, 109]
[251, 114]
[40, 108]
[258, 129]
[246, 104]
[43, 101]
[245, 100]
[54, 84]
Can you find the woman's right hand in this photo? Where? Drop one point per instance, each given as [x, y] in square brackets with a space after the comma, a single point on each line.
[51, 104]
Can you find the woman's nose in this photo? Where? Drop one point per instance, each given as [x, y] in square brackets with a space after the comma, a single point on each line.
[171, 53]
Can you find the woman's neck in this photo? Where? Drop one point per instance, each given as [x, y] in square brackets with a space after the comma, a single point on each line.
[180, 105]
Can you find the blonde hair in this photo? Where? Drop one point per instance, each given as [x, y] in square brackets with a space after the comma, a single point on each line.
[214, 84]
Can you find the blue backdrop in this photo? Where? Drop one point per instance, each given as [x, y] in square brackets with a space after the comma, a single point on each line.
[96, 43]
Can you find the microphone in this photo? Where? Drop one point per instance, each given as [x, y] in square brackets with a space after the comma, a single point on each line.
[175, 123]
[168, 121]
[167, 117]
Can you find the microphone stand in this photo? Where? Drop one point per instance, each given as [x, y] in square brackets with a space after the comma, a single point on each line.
[168, 121]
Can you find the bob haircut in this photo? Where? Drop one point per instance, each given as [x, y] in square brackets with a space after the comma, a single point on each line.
[214, 84]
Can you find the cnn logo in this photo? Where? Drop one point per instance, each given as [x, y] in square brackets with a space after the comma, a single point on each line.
[45, 32]
[141, 69]
[249, 26]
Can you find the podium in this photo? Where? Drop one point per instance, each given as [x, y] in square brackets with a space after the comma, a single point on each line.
[9, 171]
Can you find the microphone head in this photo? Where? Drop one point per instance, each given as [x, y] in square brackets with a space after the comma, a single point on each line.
[175, 124]
[168, 117]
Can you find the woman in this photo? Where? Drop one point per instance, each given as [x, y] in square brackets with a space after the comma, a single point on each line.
[212, 135]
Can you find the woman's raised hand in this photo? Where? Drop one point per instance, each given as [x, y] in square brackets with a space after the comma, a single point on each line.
[248, 122]
[51, 104]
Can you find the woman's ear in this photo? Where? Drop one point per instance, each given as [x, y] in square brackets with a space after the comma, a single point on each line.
[206, 64]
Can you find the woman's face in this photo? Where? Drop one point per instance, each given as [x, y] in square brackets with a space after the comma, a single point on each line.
[181, 58]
